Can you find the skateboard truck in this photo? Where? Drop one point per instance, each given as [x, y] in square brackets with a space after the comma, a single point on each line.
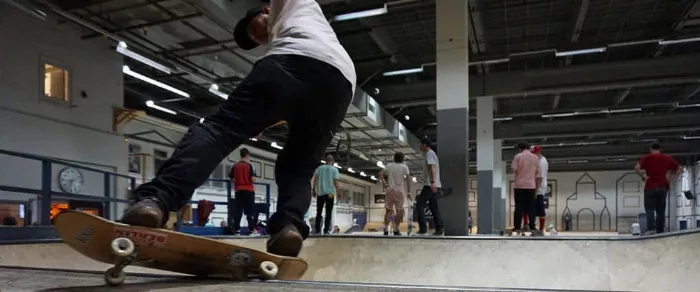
[124, 250]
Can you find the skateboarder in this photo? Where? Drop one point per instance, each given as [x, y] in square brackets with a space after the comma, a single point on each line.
[525, 166]
[398, 184]
[656, 185]
[306, 78]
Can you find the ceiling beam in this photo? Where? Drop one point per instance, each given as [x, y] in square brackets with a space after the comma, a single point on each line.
[691, 11]
[580, 12]
[592, 77]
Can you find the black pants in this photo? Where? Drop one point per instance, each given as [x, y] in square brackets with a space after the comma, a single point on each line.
[524, 204]
[244, 203]
[328, 202]
[310, 95]
[429, 199]
[655, 207]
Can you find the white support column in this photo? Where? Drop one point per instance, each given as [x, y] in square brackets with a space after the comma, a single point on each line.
[453, 111]
[499, 187]
[485, 164]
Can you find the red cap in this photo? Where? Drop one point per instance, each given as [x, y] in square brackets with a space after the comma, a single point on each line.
[535, 149]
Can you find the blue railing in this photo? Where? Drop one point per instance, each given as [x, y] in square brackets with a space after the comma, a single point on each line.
[45, 193]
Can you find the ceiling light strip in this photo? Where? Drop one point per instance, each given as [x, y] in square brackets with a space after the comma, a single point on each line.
[128, 71]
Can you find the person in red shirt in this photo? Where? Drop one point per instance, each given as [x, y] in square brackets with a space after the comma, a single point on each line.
[243, 176]
[656, 185]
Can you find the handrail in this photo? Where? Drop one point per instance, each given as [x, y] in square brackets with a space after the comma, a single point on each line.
[45, 191]
[62, 162]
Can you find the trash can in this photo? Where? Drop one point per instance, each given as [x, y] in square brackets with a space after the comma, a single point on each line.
[683, 224]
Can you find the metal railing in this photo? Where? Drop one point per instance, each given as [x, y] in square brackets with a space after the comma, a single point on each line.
[45, 194]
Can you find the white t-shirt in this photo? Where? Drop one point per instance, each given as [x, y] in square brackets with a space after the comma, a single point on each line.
[299, 27]
[397, 174]
[544, 168]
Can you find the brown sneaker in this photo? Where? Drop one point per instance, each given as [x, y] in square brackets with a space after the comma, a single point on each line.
[146, 213]
[287, 242]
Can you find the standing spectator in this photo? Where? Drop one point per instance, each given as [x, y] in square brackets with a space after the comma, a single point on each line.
[243, 176]
[398, 184]
[326, 186]
[540, 210]
[656, 185]
[525, 166]
[431, 189]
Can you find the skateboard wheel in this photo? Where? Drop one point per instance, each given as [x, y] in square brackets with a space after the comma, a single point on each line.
[114, 278]
[122, 247]
[268, 270]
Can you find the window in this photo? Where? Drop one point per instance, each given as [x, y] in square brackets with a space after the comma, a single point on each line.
[159, 157]
[344, 196]
[56, 83]
[135, 158]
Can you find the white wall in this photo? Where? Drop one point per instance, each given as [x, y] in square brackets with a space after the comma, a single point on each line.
[603, 200]
[79, 131]
[263, 161]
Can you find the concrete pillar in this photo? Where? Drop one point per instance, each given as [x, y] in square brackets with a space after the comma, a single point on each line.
[453, 111]
[485, 164]
[499, 187]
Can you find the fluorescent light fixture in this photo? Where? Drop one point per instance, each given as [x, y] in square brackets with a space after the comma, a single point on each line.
[153, 105]
[594, 143]
[201, 120]
[350, 170]
[615, 159]
[323, 161]
[253, 139]
[363, 174]
[688, 105]
[123, 49]
[215, 90]
[274, 145]
[413, 179]
[577, 161]
[373, 178]
[336, 165]
[560, 115]
[634, 43]
[626, 110]
[691, 137]
[580, 52]
[680, 41]
[503, 119]
[380, 164]
[128, 71]
[404, 72]
[406, 117]
[361, 14]
[489, 62]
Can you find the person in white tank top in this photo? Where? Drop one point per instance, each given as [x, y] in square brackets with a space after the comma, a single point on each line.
[397, 185]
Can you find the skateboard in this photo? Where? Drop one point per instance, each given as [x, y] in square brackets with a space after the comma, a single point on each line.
[124, 245]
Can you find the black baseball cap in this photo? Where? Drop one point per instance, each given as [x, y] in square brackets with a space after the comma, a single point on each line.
[426, 141]
[240, 32]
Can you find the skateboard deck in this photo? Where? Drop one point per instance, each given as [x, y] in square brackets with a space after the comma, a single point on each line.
[123, 245]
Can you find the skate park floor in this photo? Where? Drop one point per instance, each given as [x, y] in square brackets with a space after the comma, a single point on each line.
[666, 262]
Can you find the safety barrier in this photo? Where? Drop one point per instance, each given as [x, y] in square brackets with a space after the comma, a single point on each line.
[39, 199]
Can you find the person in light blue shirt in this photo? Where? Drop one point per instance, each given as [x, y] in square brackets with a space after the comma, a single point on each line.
[326, 187]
